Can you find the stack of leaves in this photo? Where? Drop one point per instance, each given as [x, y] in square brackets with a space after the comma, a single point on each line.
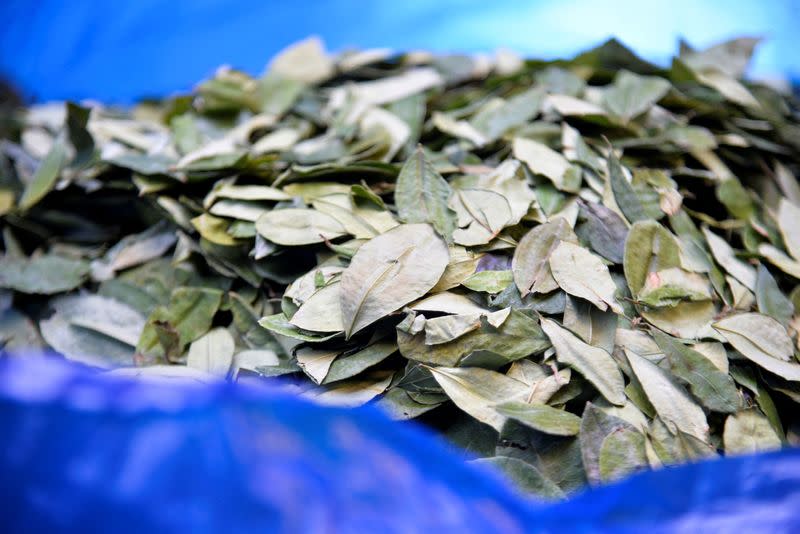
[573, 269]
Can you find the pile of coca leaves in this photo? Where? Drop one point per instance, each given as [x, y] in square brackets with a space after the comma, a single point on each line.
[574, 270]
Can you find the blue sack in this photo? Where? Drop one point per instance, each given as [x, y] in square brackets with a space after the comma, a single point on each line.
[83, 451]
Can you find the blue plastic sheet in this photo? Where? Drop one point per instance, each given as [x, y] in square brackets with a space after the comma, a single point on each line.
[83, 451]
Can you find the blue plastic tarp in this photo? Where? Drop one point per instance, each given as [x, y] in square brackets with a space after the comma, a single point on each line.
[83, 451]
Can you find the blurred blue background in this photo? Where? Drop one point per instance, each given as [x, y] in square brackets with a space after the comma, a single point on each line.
[122, 50]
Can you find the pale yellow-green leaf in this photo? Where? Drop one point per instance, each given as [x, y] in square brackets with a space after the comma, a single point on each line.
[389, 271]
[687, 320]
[339, 206]
[789, 224]
[298, 226]
[509, 179]
[543, 160]
[447, 302]
[595, 364]
[622, 453]
[489, 281]
[752, 333]
[583, 274]
[477, 391]
[667, 287]
[214, 229]
[305, 61]
[779, 259]
[316, 362]
[449, 327]
[542, 417]
[238, 209]
[729, 87]
[724, 255]
[481, 215]
[461, 265]
[458, 128]
[212, 353]
[322, 311]
[749, 432]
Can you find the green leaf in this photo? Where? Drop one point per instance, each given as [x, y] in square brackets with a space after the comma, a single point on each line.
[388, 272]
[754, 333]
[779, 259]
[481, 215]
[322, 311]
[624, 194]
[349, 366]
[649, 248]
[280, 325]
[143, 164]
[670, 286]
[353, 393]
[596, 426]
[730, 57]
[518, 336]
[735, 198]
[524, 475]
[188, 316]
[18, 332]
[102, 315]
[508, 179]
[422, 194]
[399, 405]
[530, 264]
[788, 215]
[512, 113]
[46, 176]
[316, 362]
[687, 320]
[676, 446]
[673, 405]
[595, 364]
[214, 229]
[543, 160]
[79, 137]
[542, 417]
[84, 345]
[46, 274]
[622, 453]
[631, 95]
[595, 327]
[449, 327]
[477, 391]
[604, 230]
[762, 340]
[133, 250]
[714, 388]
[724, 255]
[771, 301]
[489, 281]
